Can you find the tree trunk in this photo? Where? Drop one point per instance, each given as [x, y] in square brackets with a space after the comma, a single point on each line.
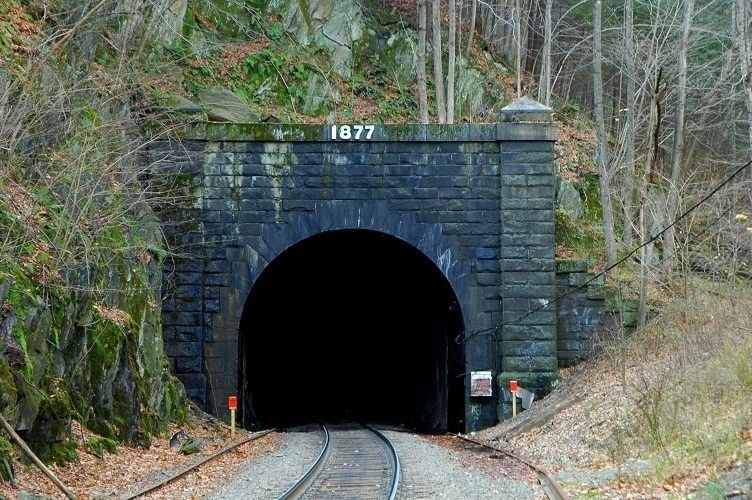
[535, 36]
[642, 304]
[452, 56]
[669, 239]
[629, 180]
[438, 72]
[600, 129]
[743, 16]
[544, 89]
[518, 40]
[473, 13]
[422, 93]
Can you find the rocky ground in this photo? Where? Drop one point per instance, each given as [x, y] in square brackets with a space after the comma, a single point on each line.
[570, 433]
[573, 434]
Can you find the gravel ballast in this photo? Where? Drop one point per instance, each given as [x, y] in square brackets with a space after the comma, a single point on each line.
[271, 475]
[428, 471]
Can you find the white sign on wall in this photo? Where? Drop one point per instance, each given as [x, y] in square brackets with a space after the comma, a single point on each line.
[481, 384]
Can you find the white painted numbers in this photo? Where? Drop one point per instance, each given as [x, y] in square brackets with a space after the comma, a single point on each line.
[352, 132]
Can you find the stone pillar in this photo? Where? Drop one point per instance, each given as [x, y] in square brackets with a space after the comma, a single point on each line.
[527, 340]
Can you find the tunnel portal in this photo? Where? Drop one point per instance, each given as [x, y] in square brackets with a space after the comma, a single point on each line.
[352, 325]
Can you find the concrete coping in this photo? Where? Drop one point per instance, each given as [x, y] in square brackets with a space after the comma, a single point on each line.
[526, 110]
[265, 132]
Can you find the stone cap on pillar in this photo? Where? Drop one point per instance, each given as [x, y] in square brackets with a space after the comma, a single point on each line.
[525, 109]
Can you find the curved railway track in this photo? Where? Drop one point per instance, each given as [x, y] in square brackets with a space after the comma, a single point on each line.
[356, 461]
[553, 490]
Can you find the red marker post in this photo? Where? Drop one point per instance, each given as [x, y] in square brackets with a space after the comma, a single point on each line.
[232, 404]
[513, 390]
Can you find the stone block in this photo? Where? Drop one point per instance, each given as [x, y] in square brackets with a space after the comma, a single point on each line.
[188, 333]
[528, 291]
[571, 266]
[528, 332]
[188, 365]
[528, 348]
[184, 349]
[528, 265]
[529, 364]
[580, 279]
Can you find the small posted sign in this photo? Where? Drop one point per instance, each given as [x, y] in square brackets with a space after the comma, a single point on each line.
[232, 403]
[481, 384]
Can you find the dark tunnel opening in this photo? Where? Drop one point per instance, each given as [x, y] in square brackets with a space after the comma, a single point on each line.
[352, 325]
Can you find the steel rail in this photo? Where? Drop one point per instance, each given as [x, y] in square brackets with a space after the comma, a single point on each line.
[323, 466]
[310, 475]
[553, 490]
[195, 465]
[395, 460]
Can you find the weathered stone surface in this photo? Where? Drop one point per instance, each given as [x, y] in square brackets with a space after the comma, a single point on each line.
[222, 105]
[320, 96]
[91, 348]
[180, 104]
[334, 25]
[526, 109]
[488, 204]
[568, 200]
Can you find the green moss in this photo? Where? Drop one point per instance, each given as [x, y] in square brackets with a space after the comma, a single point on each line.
[105, 349]
[6, 454]
[175, 404]
[61, 453]
[98, 445]
[8, 391]
[227, 18]
[102, 427]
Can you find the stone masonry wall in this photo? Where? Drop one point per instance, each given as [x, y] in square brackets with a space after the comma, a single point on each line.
[477, 200]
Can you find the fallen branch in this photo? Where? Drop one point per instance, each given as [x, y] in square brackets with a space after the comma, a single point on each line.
[12, 433]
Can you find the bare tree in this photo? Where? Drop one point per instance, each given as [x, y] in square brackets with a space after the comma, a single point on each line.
[602, 139]
[473, 14]
[438, 72]
[669, 241]
[452, 61]
[422, 93]
[743, 25]
[544, 88]
[629, 211]
[518, 40]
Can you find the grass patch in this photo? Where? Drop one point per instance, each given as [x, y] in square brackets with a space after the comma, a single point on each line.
[694, 394]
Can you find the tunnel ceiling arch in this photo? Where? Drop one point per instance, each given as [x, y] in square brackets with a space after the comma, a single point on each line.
[352, 324]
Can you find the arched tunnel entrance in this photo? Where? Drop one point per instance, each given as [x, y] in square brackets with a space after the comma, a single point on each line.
[352, 325]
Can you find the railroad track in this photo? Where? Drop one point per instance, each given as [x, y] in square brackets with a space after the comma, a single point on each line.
[553, 490]
[356, 461]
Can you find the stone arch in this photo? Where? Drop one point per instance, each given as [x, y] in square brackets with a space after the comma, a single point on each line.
[428, 238]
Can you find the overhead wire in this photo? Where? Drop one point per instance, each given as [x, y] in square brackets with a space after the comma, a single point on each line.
[463, 336]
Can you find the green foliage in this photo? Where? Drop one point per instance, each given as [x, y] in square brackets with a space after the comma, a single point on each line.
[585, 236]
[98, 445]
[190, 447]
[6, 454]
[275, 31]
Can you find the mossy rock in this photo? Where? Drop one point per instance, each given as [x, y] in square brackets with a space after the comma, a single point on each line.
[6, 454]
[98, 445]
[56, 452]
[224, 17]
